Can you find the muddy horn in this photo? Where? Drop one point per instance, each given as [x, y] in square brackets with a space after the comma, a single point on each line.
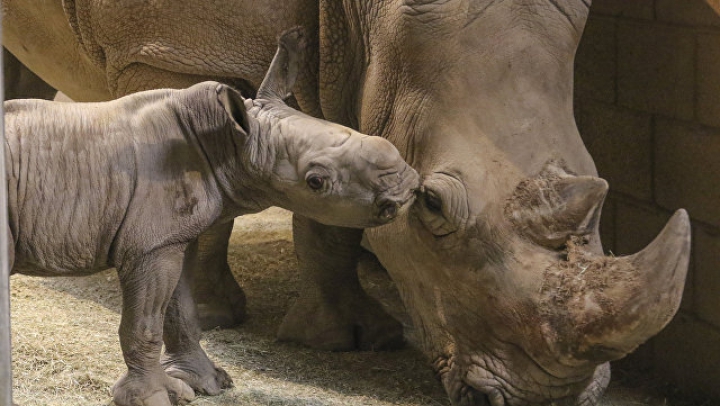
[634, 297]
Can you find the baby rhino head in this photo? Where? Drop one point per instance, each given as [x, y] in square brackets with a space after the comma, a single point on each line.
[321, 170]
[340, 177]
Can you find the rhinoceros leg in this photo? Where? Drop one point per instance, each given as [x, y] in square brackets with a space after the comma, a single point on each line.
[333, 312]
[147, 285]
[220, 300]
[184, 358]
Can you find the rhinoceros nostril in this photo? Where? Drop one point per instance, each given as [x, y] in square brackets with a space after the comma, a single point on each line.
[388, 210]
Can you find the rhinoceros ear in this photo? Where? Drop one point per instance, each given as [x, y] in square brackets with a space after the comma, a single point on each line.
[283, 71]
[549, 208]
[234, 105]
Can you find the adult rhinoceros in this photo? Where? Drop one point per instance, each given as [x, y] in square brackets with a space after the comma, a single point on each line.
[499, 261]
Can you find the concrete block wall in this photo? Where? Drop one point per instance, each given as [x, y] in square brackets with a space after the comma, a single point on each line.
[647, 103]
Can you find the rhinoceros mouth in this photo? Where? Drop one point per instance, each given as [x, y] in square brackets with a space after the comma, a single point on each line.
[459, 391]
[476, 383]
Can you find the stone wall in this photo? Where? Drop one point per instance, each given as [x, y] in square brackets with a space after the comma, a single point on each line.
[648, 107]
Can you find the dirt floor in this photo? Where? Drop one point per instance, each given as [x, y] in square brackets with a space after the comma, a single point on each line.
[66, 350]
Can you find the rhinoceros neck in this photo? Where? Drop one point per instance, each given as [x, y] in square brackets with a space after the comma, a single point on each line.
[265, 141]
[237, 158]
[275, 146]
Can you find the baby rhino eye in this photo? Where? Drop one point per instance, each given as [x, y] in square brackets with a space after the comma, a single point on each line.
[315, 182]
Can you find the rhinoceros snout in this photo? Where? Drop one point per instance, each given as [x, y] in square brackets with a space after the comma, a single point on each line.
[400, 187]
[390, 208]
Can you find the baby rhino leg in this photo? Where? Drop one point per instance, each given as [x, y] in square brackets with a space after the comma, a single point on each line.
[220, 300]
[147, 285]
[184, 358]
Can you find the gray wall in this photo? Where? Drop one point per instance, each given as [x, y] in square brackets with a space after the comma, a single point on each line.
[648, 107]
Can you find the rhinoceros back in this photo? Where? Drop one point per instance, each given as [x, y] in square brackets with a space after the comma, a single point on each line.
[70, 172]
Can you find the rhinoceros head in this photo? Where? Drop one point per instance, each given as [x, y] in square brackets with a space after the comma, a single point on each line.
[322, 170]
[517, 305]
[499, 261]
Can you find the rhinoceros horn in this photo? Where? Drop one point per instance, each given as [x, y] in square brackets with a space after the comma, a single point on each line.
[611, 305]
[554, 205]
[283, 71]
[662, 268]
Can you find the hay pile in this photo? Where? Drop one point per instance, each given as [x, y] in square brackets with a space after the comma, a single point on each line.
[66, 350]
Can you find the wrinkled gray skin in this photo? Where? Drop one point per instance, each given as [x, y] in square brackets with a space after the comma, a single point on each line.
[477, 96]
[132, 183]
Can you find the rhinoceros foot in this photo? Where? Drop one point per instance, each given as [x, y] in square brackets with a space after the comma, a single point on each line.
[220, 300]
[196, 370]
[219, 314]
[151, 389]
[220, 304]
[345, 323]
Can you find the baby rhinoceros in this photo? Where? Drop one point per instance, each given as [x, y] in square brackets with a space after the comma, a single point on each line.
[132, 183]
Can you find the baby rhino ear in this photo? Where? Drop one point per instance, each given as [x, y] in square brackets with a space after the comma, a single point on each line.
[284, 68]
[234, 105]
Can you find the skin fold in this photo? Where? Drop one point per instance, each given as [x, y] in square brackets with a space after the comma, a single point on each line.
[477, 97]
[133, 183]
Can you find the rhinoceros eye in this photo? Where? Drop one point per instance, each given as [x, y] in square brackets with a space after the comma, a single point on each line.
[315, 182]
[442, 204]
[433, 202]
